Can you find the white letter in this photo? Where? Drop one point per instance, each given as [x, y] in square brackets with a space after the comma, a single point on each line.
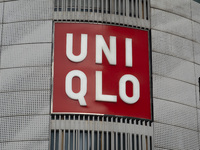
[136, 89]
[69, 48]
[101, 45]
[129, 62]
[83, 86]
[99, 95]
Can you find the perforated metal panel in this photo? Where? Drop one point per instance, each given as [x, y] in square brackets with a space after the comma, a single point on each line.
[159, 148]
[171, 137]
[25, 145]
[173, 67]
[174, 90]
[171, 23]
[28, 10]
[199, 138]
[180, 7]
[196, 52]
[24, 103]
[197, 74]
[198, 110]
[124, 12]
[172, 45]
[197, 96]
[24, 114]
[18, 79]
[27, 32]
[163, 46]
[7, 0]
[195, 7]
[0, 32]
[1, 12]
[175, 114]
[175, 79]
[196, 31]
[100, 132]
[24, 128]
[26, 55]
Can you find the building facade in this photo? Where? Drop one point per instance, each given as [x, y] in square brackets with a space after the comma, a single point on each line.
[27, 29]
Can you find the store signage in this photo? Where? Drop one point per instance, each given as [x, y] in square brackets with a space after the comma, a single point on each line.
[101, 69]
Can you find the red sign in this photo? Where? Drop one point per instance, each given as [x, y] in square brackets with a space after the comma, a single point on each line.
[101, 69]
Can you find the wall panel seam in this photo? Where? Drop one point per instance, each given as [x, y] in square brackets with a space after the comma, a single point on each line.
[168, 100]
[174, 78]
[175, 14]
[45, 139]
[27, 21]
[155, 51]
[28, 43]
[175, 35]
[26, 90]
[176, 126]
[28, 115]
[46, 66]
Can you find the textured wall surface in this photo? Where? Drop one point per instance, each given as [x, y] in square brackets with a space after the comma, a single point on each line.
[25, 73]
[175, 28]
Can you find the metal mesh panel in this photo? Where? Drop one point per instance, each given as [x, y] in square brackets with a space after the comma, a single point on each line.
[24, 128]
[173, 67]
[171, 137]
[171, 23]
[197, 74]
[25, 145]
[100, 132]
[1, 12]
[196, 31]
[159, 149]
[0, 34]
[126, 12]
[23, 125]
[197, 71]
[17, 79]
[198, 110]
[175, 114]
[199, 138]
[6, 0]
[27, 32]
[196, 52]
[174, 90]
[24, 103]
[26, 55]
[172, 45]
[195, 7]
[28, 10]
[197, 96]
[180, 7]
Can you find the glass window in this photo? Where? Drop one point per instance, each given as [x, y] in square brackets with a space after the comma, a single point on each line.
[198, 1]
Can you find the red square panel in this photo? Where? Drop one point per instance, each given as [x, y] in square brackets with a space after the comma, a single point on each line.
[101, 69]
